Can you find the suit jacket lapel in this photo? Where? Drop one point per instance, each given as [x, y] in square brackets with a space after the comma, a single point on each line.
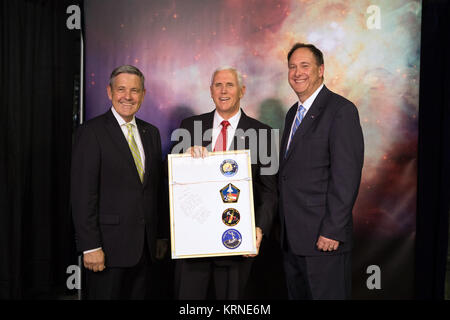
[243, 124]
[120, 141]
[308, 120]
[148, 146]
[207, 124]
[242, 127]
[287, 131]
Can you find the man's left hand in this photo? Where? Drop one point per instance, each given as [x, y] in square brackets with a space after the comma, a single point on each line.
[326, 244]
[259, 236]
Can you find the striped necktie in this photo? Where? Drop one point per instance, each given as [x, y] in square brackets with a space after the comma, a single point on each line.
[298, 119]
[135, 151]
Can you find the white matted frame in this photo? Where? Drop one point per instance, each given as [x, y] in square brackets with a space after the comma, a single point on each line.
[199, 223]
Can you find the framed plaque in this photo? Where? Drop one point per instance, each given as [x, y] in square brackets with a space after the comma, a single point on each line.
[211, 205]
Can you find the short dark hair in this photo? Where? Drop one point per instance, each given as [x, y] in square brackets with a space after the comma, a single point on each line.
[126, 69]
[316, 52]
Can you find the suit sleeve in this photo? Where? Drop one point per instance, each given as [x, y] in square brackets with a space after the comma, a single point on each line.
[183, 138]
[346, 161]
[266, 184]
[85, 173]
[163, 194]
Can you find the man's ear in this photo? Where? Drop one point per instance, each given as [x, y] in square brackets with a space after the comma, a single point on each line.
[109, 91]
[321, 70]
[242, 92]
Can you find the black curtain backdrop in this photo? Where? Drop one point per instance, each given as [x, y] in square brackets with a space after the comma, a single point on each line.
[40, 61]
[39, 69]
[434, 151]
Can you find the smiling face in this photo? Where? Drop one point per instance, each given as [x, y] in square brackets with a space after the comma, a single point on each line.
[305, 76]
[226, 93]
[127, 93]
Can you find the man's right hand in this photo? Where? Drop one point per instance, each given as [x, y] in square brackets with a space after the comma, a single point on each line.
[95, 260]
[197, 152]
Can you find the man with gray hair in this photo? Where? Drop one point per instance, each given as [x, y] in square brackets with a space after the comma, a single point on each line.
[115, 179]
[230, 131]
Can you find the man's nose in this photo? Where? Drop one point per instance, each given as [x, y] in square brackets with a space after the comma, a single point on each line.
[223, 89]
[128, 94]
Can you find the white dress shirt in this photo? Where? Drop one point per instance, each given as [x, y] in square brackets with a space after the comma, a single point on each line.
[231, 129]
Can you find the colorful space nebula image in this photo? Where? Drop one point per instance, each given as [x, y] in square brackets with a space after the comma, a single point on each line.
[371, 51]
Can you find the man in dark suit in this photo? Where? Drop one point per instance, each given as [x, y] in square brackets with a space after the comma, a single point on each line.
[232, 130]
[115, 178]
[321, 158]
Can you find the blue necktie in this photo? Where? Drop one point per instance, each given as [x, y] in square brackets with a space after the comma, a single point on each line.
[298, 119]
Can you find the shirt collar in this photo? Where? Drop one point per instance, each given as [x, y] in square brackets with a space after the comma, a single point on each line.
[308, 102]
[234, 120]
[120, 119]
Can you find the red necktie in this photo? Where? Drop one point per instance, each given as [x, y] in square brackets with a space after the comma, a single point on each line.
[221, 142]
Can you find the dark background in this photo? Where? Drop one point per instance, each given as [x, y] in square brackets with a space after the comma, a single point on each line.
[40, 77]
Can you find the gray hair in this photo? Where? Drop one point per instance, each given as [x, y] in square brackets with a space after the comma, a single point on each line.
[126, 69]
[236, 72]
